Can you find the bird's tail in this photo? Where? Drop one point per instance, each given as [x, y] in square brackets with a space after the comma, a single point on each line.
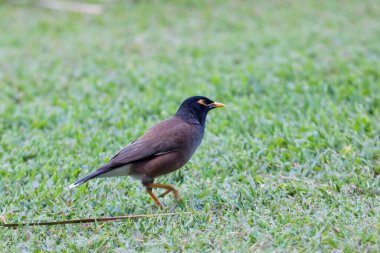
[90, 176]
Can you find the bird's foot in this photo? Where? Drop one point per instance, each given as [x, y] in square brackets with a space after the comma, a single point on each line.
[168, 188]
[175, 192]
[176, 195]
[149, 191]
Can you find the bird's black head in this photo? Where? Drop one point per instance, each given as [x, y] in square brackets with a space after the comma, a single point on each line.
[195, 109]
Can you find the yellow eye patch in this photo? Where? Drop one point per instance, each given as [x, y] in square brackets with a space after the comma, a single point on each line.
[202, 102]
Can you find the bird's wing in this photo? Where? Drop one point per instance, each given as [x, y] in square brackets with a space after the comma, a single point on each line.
[165, 137]
[135, 151]
[143, 149]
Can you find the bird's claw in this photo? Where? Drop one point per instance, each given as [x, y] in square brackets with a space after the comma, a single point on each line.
[177, 196]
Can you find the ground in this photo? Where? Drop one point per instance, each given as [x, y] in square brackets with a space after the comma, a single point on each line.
[291, 164]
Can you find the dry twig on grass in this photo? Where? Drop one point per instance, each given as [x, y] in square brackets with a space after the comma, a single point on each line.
[90, 220]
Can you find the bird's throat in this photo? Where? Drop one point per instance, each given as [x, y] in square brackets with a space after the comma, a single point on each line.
[192, 117]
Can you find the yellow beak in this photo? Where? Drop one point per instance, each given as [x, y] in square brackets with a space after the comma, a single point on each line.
[217, 105]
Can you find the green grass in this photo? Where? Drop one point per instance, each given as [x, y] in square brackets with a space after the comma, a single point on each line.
[292, 164]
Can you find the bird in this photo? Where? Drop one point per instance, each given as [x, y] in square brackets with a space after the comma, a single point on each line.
[164, 148]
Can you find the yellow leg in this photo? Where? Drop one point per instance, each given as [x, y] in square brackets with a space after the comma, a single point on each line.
[168, 188]
[149, 191]
[164, 193]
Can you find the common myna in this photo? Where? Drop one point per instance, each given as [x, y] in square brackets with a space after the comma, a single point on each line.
[163, 149]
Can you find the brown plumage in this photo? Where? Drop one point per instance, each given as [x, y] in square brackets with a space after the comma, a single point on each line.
[163, 149]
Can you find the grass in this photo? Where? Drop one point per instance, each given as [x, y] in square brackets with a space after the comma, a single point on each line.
[292, 164]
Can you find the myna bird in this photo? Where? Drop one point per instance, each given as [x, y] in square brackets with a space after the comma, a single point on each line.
[163, 149]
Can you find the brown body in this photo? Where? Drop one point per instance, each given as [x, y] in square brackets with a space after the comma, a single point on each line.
[183, 139]
[163, 149]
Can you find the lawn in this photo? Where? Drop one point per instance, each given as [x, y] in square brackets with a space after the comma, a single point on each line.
[292, 164]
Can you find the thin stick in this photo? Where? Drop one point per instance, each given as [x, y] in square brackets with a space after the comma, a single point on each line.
[14, 225]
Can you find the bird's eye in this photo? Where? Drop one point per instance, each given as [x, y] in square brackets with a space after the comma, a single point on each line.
[201, 102]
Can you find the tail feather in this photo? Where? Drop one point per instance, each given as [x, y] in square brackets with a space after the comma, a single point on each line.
[90, 176]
